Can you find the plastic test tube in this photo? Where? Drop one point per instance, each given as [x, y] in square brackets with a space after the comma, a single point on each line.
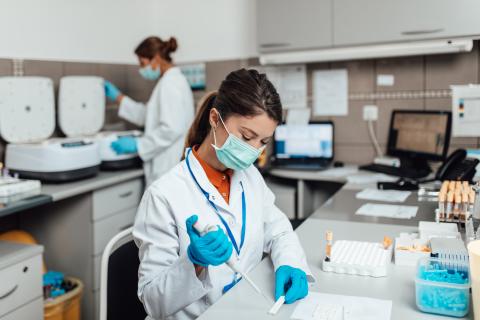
[442, 196]
[328, 249]
[451, 186]
[465, 205]
[449, 208]
[457, 205]
[471, 202]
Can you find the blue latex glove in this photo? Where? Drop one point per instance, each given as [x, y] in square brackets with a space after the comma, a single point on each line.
[213, 248]
[291, 283]
[124, 145]
[111, 91]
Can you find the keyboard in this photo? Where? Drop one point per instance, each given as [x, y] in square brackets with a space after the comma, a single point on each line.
[302, 166]
[394, 171]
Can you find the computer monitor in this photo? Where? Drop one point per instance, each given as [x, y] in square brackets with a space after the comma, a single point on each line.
[417, 136]
[312, 141]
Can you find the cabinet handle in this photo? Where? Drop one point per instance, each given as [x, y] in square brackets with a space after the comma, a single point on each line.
[9, 292]
[274, 45]
[126, 194]
[419, 32]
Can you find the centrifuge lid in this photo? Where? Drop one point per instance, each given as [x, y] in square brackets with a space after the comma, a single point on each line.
[27, 109]
[81, 105]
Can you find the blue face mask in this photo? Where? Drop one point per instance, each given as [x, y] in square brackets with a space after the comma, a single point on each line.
[149, 73]
[235, 153]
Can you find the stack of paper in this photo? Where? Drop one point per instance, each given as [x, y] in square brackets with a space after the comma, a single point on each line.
[383, 195]
[338, 307]
[387, 210]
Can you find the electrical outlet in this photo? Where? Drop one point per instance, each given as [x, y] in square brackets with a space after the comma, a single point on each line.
[370, 113]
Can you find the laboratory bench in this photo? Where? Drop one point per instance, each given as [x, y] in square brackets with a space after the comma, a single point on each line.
[242, 302]
[77, 220]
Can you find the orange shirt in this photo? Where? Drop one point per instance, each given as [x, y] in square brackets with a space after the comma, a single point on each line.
[219, 179]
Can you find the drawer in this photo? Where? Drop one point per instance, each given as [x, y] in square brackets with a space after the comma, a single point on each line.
[20, 284]
[116, 198]
[105, 229]
[31, 311]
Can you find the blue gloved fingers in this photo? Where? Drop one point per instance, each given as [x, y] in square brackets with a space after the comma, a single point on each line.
[223, 256]
[299, 286]
[222, 248]
[189, 224]
[295, 289]
[280, 282]
[116, 147]
[111, 91]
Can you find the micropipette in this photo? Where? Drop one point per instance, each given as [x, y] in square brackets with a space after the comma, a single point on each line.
[203, 229]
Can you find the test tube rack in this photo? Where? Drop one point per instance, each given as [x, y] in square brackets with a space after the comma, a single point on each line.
[359, 258]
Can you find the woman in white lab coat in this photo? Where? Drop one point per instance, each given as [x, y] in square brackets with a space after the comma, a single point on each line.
[182, 271]
[167, 115]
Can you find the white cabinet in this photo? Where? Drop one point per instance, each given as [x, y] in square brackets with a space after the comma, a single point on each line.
[358, 22]
[20, 281]
[293, 24]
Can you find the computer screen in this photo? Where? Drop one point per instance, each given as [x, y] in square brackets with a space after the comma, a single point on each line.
[313, 140]
[421, 133]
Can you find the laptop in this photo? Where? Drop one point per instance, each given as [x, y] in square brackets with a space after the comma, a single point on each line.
[304, 147]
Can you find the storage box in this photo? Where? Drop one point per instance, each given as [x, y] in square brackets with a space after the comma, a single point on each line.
[409, 257]
[443, 287]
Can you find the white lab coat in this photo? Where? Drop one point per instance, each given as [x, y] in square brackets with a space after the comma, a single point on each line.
[168, 285]
[166, 119]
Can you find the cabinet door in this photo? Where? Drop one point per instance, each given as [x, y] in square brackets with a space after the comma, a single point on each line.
[293, 24]
[377, 21]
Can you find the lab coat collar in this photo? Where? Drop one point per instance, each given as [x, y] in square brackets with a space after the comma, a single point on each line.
[214, 196]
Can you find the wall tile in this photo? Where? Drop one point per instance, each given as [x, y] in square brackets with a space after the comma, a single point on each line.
[354, 154]
[351, 128]
[115, 73]
[408, 73]
[5, 67]
[444, 70]
[361, 75]
[445, 104]
[50, 69]
[385, 108]
[80, 69]
[216, 71]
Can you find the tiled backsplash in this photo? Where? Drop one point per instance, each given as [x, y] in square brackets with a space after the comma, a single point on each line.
[352, 143]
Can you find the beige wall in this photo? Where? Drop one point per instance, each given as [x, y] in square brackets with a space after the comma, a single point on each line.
[413, 75]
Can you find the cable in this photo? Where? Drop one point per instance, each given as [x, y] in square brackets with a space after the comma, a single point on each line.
[373, 137]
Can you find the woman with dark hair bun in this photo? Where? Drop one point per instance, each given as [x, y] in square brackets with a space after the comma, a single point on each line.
[165, 117]
[182, 264]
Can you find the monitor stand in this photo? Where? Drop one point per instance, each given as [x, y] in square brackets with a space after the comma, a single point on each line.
[414, 167]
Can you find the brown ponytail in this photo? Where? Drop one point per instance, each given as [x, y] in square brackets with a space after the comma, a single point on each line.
[152, 46]
[201, 125]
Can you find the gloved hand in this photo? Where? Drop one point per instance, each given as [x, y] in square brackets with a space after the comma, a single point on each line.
[111, 91]
[124, 145]
[291, 283]
[213, 248]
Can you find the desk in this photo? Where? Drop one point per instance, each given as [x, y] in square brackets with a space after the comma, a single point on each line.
[344, 204]
[242, 302]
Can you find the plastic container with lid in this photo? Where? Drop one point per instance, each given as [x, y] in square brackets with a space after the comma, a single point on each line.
[443, 286]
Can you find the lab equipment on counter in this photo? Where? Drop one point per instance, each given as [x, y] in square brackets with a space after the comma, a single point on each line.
[359, 258]
[428, 230]
[13, 187]
[328, 249]
[456, 202]
[82, 114]
[409, 249]
[27, 121]
[443, 286]
[474, 259]
[448, 248]
[205, 228]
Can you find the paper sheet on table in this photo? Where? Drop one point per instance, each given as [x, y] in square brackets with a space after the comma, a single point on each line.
[383, 195]
[387, 211]
[330, 92]
[299, 116]
[290, 82]
[339, 307]
[364, 178]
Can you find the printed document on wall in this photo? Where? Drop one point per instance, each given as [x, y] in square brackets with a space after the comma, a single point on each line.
[330, 92]
[290, 82]
[466, 111]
